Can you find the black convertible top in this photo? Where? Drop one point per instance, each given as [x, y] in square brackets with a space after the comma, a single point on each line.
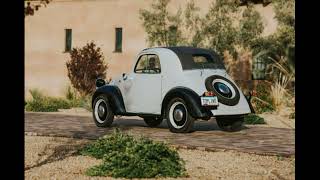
[186, 54]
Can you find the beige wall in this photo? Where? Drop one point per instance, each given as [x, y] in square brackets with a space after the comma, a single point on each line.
[89, 20]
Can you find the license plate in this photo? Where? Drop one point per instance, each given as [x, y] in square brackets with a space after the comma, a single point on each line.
[209, 101]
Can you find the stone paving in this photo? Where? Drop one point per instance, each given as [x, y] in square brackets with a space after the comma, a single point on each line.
[207, 135]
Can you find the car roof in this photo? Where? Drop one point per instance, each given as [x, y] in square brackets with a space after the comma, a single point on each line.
[185, 55]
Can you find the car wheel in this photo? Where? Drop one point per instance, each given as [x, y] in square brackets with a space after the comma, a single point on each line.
[102, 112]
[152, 121]
[178, 118]
[230, 124]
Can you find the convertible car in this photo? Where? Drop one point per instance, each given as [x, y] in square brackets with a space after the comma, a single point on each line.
[179, 84]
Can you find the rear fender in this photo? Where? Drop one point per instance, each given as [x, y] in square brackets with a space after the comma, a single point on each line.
[192, 100]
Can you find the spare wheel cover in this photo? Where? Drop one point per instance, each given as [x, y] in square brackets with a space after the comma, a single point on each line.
[233, 100]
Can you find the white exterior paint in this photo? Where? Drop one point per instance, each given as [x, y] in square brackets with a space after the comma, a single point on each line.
[144, 93]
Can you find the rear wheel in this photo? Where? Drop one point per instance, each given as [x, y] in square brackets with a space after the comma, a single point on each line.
[178, 118]
[230, 124]
[152, 121]
[102, 112]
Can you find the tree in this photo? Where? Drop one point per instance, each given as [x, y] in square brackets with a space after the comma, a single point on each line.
[85, 66]
[161, 27]
[32, 5]
[192, 25]
[251, 27]
[217, 30]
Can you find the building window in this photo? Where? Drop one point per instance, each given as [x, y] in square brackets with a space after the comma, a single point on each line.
[118, 47]
[68, 40]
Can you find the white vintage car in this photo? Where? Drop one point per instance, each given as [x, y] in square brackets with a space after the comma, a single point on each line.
[180, 84]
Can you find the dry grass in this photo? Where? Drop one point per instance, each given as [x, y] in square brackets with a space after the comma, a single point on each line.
[279, 94]
[240, 68]
[280, 89]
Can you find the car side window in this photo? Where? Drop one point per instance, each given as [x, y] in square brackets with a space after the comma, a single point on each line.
[148, 64]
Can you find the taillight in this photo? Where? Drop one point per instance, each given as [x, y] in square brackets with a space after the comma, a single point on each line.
[209, 93]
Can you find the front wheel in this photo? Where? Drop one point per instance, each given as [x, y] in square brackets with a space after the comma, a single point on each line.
[102, 112]
[178, 118]
[230, 124]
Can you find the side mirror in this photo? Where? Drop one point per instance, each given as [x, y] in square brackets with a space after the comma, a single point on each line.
[124, 76]
[100, 82]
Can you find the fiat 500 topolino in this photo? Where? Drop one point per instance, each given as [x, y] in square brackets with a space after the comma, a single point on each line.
[180, 84]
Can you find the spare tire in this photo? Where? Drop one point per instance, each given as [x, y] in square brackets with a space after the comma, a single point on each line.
[226, 91]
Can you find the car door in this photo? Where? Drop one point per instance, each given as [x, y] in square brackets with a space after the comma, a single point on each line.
[143, 86]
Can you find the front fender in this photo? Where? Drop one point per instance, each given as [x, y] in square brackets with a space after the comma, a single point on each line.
[114, 96]
[191, 98]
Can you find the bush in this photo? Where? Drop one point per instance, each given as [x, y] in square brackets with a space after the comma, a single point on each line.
[129, 157]
[76, 100]
[263, 102]
[41, 103]
[253, 119]
[85, 66]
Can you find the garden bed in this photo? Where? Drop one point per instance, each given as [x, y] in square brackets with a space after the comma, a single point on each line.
[53, 158]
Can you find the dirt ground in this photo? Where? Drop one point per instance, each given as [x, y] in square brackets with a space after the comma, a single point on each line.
[55, 158]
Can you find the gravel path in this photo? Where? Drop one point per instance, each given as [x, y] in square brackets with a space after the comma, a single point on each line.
[54, 158]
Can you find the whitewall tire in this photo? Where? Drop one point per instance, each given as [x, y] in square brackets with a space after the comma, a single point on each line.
[102, 112]
[178, 118]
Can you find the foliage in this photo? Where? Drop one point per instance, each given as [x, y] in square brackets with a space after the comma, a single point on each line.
[129, 157]
[85, 66]
[253, 119]
[216, 30]
[115, 142]
[262, 102]
[193, 25]
[251, 27]
[76, 100]
[41, 103]
[282, 42]
[30, 8]
[161, 27]
[279, 93]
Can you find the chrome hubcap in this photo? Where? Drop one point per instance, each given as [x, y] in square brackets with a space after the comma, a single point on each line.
[223, 88]
[178, 114]
[101, 110]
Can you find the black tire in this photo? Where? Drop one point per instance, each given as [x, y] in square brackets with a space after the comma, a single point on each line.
[230, 124]
[153, 121]
[185, 122]
[102, 112]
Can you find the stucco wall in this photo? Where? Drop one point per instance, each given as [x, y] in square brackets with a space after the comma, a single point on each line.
[90, 20]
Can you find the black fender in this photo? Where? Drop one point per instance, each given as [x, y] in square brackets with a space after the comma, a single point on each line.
[114, 96]
[191, 98]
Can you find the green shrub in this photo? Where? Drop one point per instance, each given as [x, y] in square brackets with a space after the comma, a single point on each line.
[41, 103]
[263, 102]
[253, 119]
[77, 100]
[129, 157]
